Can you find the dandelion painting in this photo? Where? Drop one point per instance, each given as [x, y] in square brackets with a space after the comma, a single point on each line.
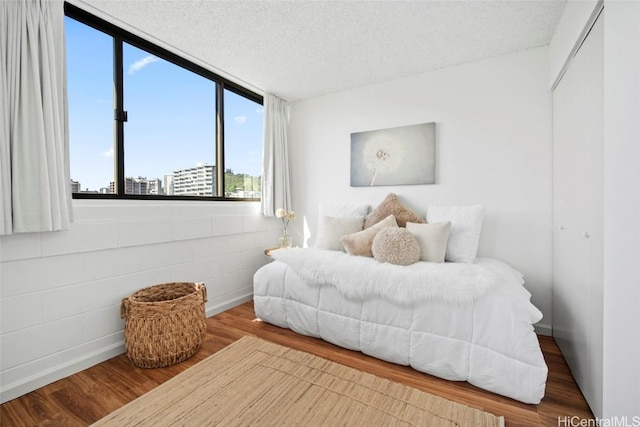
[396, 156]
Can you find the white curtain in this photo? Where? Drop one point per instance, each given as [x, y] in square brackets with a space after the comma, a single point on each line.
[276, 190]
[34, 148]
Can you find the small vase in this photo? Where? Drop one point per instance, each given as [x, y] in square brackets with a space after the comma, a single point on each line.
[285, 240]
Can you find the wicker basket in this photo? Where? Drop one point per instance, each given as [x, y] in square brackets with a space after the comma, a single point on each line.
[165, 324]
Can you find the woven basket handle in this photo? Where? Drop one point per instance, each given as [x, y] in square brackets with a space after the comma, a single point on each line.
[124, 308]
[202, 287]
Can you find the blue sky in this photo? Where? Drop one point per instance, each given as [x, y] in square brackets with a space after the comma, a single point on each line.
[171, 114]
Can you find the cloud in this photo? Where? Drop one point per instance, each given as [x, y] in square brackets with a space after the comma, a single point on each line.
[260, 110]
[108, 154]
[139, 64]
[240, 119]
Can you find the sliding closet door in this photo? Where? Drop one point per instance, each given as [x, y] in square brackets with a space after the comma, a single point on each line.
[578, 135]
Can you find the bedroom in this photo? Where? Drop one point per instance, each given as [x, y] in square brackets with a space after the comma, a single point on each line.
[505, 164]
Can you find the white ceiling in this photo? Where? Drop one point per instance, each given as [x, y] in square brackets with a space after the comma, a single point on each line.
[301, 49]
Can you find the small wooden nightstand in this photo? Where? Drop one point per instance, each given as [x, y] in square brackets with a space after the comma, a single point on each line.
[268, 251]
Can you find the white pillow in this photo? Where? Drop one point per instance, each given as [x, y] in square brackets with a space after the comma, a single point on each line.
[466, 225]
[342, 210]
[433, 239]
[338, 210]
[334, 228]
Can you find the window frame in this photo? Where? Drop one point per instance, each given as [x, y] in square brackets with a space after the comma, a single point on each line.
[121, 36]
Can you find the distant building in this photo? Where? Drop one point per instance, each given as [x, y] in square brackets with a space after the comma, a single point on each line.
[198, 181]
[136, 185]
[168, 185]
[75, 186]
[154, 186]
[139, 185]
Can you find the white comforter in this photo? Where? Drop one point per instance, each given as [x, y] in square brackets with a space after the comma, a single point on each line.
[487, 340]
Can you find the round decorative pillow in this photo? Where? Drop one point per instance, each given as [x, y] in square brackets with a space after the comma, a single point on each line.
[396, 246]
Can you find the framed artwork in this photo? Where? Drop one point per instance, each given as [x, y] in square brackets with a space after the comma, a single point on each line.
[396, 156]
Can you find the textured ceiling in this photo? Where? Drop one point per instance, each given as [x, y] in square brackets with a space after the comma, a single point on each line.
[301, 49]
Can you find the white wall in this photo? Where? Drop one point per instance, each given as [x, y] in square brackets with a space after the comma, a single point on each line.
[493, 143]
[60, 292]
[622, 210]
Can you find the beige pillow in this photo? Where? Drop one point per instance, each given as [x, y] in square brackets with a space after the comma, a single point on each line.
[391, 206]
[466, 225]
[337, 210]
[433, 238]
[334, 228]
[360, 243]
[396, 246]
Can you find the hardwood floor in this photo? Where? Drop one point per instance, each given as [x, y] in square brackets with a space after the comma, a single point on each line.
[87, 396]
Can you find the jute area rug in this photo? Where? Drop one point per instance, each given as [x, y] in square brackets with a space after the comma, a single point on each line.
[253, 382]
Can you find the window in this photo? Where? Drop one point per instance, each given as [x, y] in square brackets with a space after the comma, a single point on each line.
[90, 89]
[145, 123]
[243, 159]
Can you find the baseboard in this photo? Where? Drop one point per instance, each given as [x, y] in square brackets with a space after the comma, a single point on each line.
[11, 391]
[543, 329]
[16, 389]
[219, 308]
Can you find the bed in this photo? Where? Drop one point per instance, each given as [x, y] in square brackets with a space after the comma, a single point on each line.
[409, 290]
[458, 321]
